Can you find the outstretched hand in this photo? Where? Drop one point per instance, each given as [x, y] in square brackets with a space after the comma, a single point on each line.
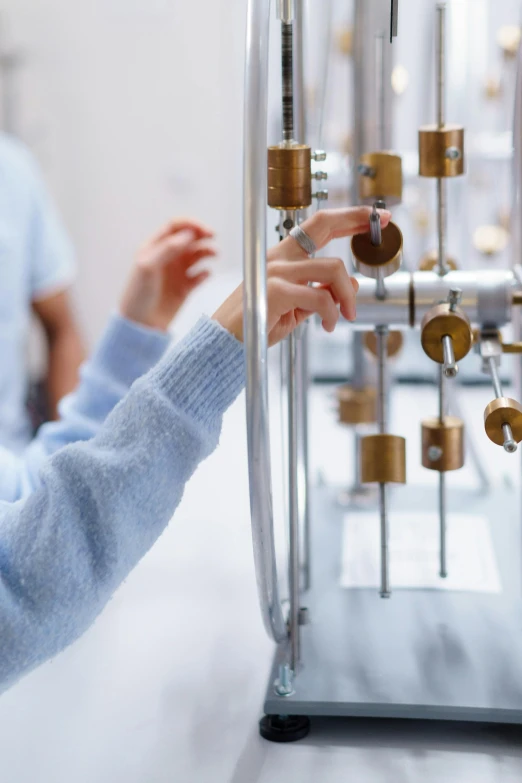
[162, 277]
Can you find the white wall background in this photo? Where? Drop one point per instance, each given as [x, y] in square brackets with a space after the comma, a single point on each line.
[134, 109]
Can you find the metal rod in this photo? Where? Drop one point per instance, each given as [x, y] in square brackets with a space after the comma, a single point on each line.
[381, 333]
[255, 313]
[327, 15]
[380, 95]
[303, 463]
[287, 71]
[375, 227]
[443, 572]
[300, 125]
[441, 118]
[450, 365]
[293, 504]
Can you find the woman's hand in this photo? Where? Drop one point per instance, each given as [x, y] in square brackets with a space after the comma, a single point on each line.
[325, 225]
[161, 279]
[291, 299]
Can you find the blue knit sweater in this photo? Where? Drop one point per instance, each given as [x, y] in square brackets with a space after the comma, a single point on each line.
[98, 506]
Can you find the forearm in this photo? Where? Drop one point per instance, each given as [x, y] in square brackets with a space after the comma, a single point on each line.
[126, 352]
[102, 504]
[66, 354]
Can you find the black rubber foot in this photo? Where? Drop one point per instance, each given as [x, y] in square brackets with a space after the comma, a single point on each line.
[289, 728]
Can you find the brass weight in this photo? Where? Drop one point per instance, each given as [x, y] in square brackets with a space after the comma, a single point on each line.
[394, 345]
[439, 322]
[383, 459]
[441, 151]
[380, 178]
[357, 406]
[501, 411]
[378, 260]
[290, 176]
[443, 444]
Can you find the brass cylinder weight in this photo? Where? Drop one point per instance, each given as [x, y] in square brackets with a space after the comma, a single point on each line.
[378, 261]
[441, 151]
[380, 178]
[357, 406]
[443, 444]
[440, 322]
[290, 176]
[383, 459]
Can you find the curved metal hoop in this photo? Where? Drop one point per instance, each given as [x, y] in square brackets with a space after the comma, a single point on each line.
[255, 315]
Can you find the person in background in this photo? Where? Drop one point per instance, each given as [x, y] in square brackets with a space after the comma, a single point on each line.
[99, 505]
[36, 272]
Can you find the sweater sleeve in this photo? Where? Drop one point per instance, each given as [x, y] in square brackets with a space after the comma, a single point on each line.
[104, 502]
[126, 351]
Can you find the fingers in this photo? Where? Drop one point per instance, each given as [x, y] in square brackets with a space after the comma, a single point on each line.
[284, 297]
[329, 272]
[199, 230]
[197, 251]
[196, 280]
[328, 224]
[180, 247]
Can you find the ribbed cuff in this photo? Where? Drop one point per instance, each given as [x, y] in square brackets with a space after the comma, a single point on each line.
[128, 350]
[204, 373]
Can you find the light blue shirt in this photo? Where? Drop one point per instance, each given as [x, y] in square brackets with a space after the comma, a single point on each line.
[36, 260]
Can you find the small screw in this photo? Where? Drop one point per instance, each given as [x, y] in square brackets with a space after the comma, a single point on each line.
[454, 299]
[288, 224]
[434, 453]
[453, 153]
[319, 156]
[321, 195]
[510, 444]
[366, 171]
[283, 685]
[320, 175]
[304, 616]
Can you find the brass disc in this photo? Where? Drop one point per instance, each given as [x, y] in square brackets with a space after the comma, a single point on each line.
[385, 183]
[437, 323]
[430, 260]
[395, 343]
[434, 144]
[290, 176]
[383, 459]
[357, 406]
[446, 438]
[376, 260]
[501, 411]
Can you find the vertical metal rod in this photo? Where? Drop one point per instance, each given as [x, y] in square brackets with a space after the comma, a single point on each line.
[510, 445]
[327, 15]
[293, 504]
[497, 386]
[441, 119]
[287, 71]
[443, 570]
[381, 333]
[302, 348]
[380, 95]
[441, 266]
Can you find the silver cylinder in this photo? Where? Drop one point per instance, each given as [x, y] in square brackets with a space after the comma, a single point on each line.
[285, 10]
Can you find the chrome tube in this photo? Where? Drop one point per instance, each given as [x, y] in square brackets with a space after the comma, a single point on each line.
[255, 315]
[294, 568]
[382, 334]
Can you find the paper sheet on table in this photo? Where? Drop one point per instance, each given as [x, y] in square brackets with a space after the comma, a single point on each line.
[414, 552]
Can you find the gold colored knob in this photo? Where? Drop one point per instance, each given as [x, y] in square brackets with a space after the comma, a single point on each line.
[357, 406]
[492, 87]
[441, 321]
[441, 151]
[490, 240]
[345, 41]
[378, 260]
[394, 346]
[443, 444]
[380, 178]
[383, 459]
[508, 38]
[502, 411]
[430, 260]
